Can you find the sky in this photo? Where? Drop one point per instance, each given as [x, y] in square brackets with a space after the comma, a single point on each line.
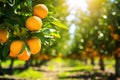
[73, 7]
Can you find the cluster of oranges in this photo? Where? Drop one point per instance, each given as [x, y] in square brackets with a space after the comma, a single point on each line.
[33, 23]
[18, 50]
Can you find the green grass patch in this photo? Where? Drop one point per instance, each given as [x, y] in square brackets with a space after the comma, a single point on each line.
[65, 62]
[83, 67]
[16, 63]
[75, 70]
[29, 74]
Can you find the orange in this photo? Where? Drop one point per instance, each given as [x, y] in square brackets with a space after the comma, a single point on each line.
[16, 47]
[110, 27]
[115, 36]
[83, 54]
[33, 23]
[24, 55]
[46, 57]
[34, 45]
[40, 10]
[4, 34]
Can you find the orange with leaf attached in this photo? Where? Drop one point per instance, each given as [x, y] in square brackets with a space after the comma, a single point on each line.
[34, 45]
[15, 47]
[24, 55]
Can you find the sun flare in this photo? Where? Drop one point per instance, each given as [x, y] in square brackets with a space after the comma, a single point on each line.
[75, 4]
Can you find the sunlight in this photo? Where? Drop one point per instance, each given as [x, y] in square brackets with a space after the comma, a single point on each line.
[75, 4]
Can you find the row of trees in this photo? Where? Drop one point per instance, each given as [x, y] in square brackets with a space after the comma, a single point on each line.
[98, 29]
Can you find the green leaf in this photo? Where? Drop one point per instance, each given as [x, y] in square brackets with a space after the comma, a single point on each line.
[5, 50]
[59, 24]
[27, 48]
[46, 31]
[30, 4]
[57, 35]
[23, 48]
[11, 2]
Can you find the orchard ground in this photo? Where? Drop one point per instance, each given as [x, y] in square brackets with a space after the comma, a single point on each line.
[60, 69]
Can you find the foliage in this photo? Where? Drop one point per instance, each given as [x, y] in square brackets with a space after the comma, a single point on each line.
[13, 16]
[17, 63]
[93, 25]
[25, 74]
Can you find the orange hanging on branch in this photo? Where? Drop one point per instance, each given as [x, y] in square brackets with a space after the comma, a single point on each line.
[16, 47]
[34, 23]
[4, 35]
[24, 55]
[34, 45]
[40, 10]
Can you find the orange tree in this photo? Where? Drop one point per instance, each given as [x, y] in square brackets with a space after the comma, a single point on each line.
[55, 45]
[26, 27]
[58, 45]
[102, 37]
[113, 20]
[101, 26]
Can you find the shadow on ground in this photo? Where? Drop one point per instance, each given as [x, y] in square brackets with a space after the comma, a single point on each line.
[88, 75]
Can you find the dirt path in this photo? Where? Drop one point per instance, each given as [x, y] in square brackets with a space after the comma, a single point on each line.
[70, 74]
[73, 74]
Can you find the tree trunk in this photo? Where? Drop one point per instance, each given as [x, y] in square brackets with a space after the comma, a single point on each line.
[36, 62]
[101, 63]
[92, 61]
[10, 71]
[1, 70]
[0, 65]
[117, 65]
[84, 61]
[43, 62]
[27, 64]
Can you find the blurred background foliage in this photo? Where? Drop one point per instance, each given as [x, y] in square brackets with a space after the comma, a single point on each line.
[96, 30]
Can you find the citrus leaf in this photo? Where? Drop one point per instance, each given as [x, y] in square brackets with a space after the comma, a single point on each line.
[23, 48]
[5, 50]
[27, 48]
[59, 24]
[55, 35]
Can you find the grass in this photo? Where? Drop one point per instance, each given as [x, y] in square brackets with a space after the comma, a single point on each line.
[29, 74]
[76, 69]
[55, 64]
[16, 63]
[65, 62]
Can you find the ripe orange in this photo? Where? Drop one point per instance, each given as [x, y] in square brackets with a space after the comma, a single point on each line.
[34, 23]
[83, 54]
[115, 36]
[34, 45]
[16, 47]
[4, 34]
[46, 57]
[111, 28]
[40, 10]
[24, 55]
